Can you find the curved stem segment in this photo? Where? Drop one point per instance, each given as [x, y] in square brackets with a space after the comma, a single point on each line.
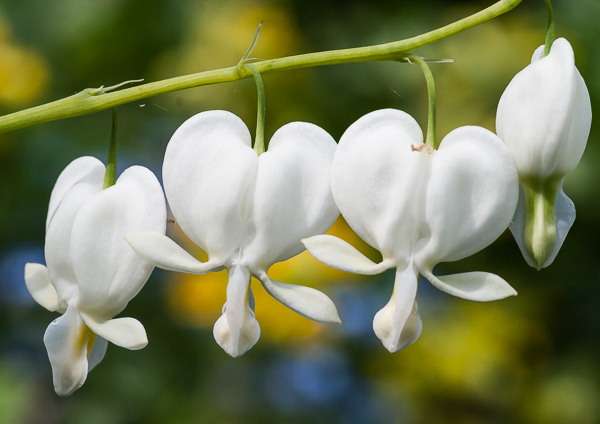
[259, 140]
[550, 31]
[92, 100]
[252, 45]
[110, 176]
[431, 117]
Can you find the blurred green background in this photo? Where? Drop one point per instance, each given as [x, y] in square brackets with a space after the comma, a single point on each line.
[534, 358]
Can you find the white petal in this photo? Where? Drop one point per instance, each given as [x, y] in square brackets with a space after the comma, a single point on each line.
[580, 125]
[237, 330]
[208, 167]
[306, 301]
[564, 213]
[67, 341]
[164, 253]
[536, 115]
[398, 324]
[108, 271]
[341, 255]
[125, 332]
[85, 168]
[97, 354]
[39, 286]
[471, 196]
[477, 286]
[291, 198]
[83, 178]
[377, 179]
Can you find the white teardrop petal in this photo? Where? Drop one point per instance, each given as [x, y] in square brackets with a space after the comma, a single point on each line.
[161, 251]
[398, 324]
[476, 286]
[207, 169]
[471, 196]
[377, 180]
[125, 332]
[535, 113]
[306, 301]
[580, 124]
[237, 330]
[338, 254]
[291, 198]
[86, 168]
[39, 286]
[109, 273]
[67, 340]
[73, 189]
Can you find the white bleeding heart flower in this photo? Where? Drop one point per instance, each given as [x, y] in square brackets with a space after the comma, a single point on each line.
[418, 207]
[246, 212]
[92, 272]
[544, 117]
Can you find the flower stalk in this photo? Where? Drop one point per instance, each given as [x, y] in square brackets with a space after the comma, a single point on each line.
[110, 176]
[94, 100]
[259, 140]
[431, 116]
[550, 31]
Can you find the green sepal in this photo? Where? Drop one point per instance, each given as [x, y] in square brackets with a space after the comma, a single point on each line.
[540, 233]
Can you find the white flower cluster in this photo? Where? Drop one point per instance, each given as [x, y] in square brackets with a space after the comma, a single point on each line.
[416, 205]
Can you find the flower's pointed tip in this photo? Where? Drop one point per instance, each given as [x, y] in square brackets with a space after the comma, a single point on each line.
[235, 345]
[66, 391]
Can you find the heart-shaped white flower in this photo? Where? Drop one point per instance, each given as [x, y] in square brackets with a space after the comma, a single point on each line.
[247, 212]
[92, 272]
[418, 207]
[544, 117]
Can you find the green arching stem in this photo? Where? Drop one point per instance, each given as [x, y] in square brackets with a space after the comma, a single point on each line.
[430, 139]
[94, 100]
[110, 176]
[259, 140]
[550, 31]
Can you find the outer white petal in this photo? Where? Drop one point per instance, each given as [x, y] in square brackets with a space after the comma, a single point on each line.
[164, 253]
[83, 178]
[398, 324]
[38, 284]
[125, 332]
[86, 168]
[208, 167]
[237, 330]
[472, 194]
[341, 255]
[291, 198]
[544, 115]
[580, 125]
[306, 301]
[477, 286]
[564, 213]
[108, 271]
[68, 341]
[377, 180]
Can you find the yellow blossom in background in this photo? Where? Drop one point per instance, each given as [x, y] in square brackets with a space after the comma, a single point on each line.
[24, 74]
